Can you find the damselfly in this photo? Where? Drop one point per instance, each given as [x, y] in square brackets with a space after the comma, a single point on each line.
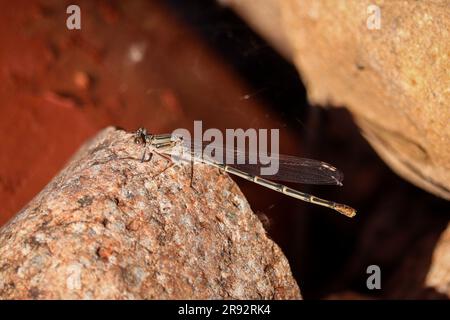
[291, 169]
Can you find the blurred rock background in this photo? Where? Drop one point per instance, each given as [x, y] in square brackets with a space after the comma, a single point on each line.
[163, 64]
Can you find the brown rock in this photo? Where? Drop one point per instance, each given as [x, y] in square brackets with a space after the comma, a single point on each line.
[111, 227]
[394, 80]
[424, 271]
[438, 277]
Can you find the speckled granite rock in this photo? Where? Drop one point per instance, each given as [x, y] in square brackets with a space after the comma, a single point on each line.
[394, 80]
[111, 227]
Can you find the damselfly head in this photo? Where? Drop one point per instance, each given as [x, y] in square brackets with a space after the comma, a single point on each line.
[141, 136]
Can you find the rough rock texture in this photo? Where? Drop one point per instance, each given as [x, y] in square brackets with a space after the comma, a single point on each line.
[394, 80]
[439, 275]
[420, 277]
[410, 277]
[111, 227]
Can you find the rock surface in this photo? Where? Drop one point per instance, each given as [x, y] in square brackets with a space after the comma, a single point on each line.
[438, 277]
[394, 80]
[424, 273]
[111, 227]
